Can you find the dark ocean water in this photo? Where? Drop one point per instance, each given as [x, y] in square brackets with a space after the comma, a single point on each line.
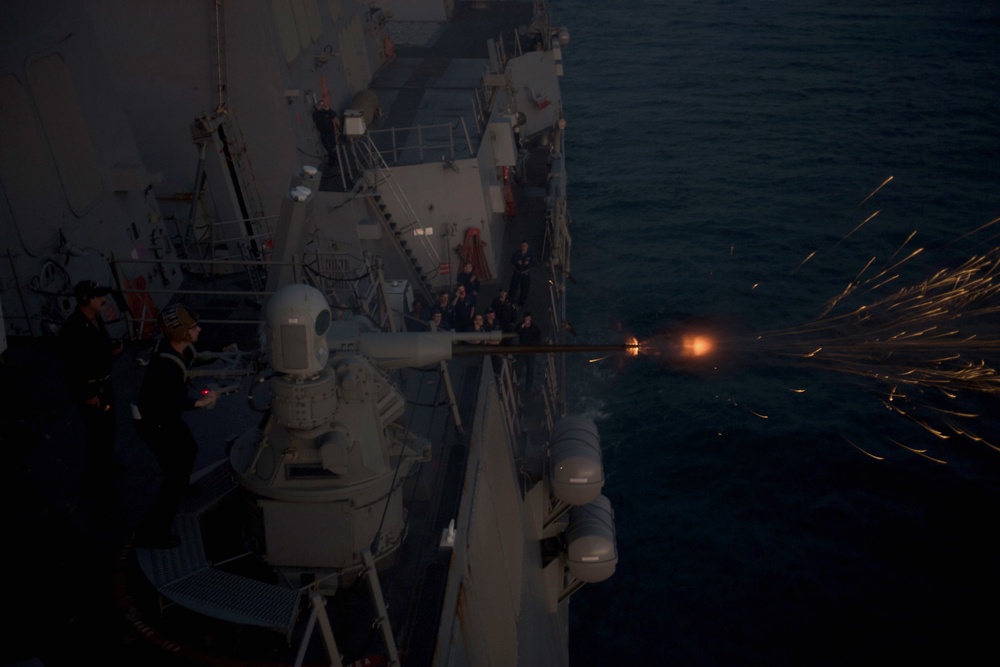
[712, 147]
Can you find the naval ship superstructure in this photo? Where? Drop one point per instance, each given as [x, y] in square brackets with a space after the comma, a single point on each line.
[386, 499]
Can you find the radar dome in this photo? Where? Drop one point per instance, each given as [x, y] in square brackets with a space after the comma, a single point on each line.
[298, 317]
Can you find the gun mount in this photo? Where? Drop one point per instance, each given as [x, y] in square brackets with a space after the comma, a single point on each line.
[325, 469]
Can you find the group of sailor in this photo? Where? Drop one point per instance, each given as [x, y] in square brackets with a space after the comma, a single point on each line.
[88, 352]
[457, 310]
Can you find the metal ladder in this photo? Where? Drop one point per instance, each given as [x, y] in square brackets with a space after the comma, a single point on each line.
[383, 189]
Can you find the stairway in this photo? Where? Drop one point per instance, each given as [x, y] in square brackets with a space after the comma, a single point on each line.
[406, 235]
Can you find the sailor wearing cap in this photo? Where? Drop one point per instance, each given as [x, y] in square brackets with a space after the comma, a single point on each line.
[88, 352]
[163, 398]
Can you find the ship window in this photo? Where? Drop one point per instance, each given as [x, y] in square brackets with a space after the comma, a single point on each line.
[29, 183]
[68, 137]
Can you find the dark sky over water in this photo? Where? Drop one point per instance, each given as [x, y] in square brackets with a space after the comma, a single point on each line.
[712, 147]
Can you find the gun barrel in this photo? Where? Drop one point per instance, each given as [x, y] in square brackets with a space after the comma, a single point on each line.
[472, 350]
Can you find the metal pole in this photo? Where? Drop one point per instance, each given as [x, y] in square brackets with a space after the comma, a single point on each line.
[340, 162]
[451, 398]
[371, 574]
[474, 350]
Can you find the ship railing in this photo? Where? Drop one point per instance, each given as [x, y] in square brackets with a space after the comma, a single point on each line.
[501, 53]
[262, 232]
[493, 79]
[506, 387]
[557, 248]
[245, 239]
[561, 242]
[482, 102]
[420, 144]
[543, 22]
[343, 277]
[483, 99]
[353, 283]
[349, 282]
[500, 45]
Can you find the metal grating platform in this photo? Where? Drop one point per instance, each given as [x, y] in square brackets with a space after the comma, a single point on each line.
[236, 599]
[163, 566]
[185, 576]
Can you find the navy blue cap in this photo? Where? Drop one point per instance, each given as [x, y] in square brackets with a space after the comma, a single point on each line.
[88, 289]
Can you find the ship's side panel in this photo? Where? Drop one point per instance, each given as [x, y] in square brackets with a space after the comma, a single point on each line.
[257, 69]
[31, 188]
[160, 64]
[435, 206]
[191, 61]
[443, 200]
[77, 191]
[501, 599]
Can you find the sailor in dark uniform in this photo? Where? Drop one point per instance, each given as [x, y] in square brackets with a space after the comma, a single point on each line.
[163, 398]
[463, 309]
[506, 314]
[522, 261]
[468, 279]
[328, 125]
[88, 352]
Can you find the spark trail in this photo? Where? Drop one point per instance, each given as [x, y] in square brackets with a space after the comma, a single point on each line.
[922, 346]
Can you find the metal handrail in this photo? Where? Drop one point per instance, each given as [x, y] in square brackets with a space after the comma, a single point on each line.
[426, 143]
[361, 267]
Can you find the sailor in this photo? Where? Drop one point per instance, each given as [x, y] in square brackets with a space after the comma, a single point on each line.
[88, 352]
[468, 279]
[436, 323]
[477, 327]
[490, 323]
[505, 313]
[163, 398]
[522, 261]
[447, 311]
[463, 309]
[328, 125]
[528, 333]
[417, 318]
